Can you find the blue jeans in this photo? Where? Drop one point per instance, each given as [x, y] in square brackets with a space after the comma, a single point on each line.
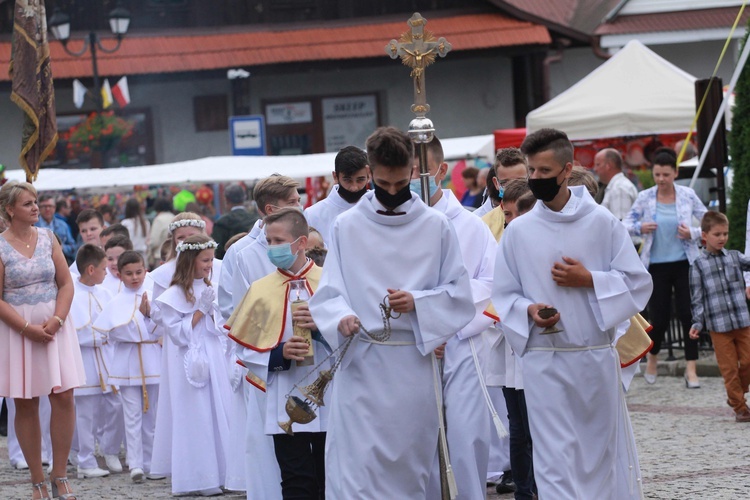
[520, 444]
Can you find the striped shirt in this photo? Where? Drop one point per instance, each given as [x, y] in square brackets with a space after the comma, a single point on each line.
[717, 291]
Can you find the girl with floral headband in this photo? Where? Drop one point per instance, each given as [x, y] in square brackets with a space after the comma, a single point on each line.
[183, 225]
[193, 417]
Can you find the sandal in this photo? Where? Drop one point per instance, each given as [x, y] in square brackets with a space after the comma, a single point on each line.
[64, 483]
[40, 488]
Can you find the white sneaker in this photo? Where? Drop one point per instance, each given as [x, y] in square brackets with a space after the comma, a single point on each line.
[95, 472]
[113, 463]
[155, 477]
[73, 459]
[21, 465]
[136, 475]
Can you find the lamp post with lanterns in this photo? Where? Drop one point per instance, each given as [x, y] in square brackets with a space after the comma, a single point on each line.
[119, 21]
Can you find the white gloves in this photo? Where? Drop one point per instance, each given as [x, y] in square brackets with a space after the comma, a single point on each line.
[206, 300]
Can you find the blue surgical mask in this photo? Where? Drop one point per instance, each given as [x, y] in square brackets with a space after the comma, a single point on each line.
[281, 255]
[501, 192]
[416, 186]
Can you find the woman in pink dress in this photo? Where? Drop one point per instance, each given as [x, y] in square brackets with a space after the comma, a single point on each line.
[39, 352]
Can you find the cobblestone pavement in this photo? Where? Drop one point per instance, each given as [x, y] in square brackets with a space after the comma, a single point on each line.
[688, 443]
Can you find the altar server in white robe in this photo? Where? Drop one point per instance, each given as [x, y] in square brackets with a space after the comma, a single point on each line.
[236, 458]
[383, 429]
[573, 255]
[88, 301]
[266, 329]
[192, 423]
[228, 265]
[136, 363]
[467, 416]
[352, 178]
[261, 470]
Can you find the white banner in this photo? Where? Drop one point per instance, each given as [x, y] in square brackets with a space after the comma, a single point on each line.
[288, 112]
[348, 121]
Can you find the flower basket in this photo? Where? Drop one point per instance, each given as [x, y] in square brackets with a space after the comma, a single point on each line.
[99, 132]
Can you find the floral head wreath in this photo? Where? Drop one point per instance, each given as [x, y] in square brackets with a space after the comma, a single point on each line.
[181, 247]
[185, 223]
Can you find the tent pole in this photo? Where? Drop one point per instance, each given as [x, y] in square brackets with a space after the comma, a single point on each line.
[722, 110]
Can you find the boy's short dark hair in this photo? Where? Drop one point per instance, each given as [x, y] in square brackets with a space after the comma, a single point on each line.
[389, 147]
[106, 209]
[119, 240]
[711, 219]
[293, 218]
[525, 203]
[509, 157]
[349, 161]
[60, 204]
[89, 214]
[549, 139]
[129, 257]
[118, 229]
[514, 190]
[89, 255]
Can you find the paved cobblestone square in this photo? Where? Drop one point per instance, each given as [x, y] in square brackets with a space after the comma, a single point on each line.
[689, 446]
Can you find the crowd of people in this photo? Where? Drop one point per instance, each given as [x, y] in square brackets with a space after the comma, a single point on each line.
[369, 346]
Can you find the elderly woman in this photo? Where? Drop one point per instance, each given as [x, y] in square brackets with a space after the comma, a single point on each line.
[39, 353]
[663, 217]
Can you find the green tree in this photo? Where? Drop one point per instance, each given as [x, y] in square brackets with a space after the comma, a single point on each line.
[739, 147]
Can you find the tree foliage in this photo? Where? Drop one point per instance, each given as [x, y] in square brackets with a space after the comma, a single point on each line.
[739, 147]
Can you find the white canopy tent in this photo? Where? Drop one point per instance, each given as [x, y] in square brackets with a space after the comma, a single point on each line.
[224, 168]
[635, 92]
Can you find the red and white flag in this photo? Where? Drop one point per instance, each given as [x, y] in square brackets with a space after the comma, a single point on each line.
[121, 93]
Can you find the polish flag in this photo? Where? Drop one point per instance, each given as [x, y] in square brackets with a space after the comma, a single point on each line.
[121, 93]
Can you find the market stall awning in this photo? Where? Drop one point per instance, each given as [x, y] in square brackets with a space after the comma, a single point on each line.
[224, 168]
[636, 92]
[159, 53]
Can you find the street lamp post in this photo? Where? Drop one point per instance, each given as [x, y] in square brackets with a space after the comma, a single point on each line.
[119, 21]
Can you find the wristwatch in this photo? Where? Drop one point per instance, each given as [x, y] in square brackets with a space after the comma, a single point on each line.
[59, 320]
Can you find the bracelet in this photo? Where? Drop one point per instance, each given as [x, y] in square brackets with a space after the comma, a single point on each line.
[23, 329]
[59, 320]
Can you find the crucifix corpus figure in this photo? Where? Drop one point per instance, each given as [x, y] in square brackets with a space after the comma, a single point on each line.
[418, 49]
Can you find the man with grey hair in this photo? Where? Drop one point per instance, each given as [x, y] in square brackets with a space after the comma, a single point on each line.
[236, 220]
[619, 193]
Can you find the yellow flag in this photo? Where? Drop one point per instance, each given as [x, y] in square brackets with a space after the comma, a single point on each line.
[106, 95]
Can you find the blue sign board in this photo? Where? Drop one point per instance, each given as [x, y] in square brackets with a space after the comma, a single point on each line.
[248, 135]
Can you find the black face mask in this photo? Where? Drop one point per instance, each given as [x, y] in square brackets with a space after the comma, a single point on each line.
[351, 196]
[545, 189]
[391, 201]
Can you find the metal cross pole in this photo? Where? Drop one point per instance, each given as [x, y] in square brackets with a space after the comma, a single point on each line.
[417, 49]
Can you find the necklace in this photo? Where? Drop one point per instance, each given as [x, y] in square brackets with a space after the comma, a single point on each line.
[28, 244]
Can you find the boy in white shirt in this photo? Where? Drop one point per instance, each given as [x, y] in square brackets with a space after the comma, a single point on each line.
[136, 362]
[89, 299]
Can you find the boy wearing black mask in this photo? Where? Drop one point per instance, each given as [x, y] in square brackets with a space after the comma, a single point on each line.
[574, 255]
[352, 176]
[390, 248]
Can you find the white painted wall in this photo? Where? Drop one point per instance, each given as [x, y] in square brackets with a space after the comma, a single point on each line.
[468, 97]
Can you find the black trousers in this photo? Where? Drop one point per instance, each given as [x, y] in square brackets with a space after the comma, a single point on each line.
[669, 278]
[301, 459]
[521, 464]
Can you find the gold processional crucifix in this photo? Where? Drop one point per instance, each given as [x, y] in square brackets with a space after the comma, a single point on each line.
[417, 49]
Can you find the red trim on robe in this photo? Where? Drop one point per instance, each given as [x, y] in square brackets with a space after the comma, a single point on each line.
[639, 357]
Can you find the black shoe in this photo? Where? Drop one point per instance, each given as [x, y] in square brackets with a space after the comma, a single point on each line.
[3, 420]
[506, 485]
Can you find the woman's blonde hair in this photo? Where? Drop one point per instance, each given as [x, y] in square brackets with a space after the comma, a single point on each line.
[9, 194]
[184, 271]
